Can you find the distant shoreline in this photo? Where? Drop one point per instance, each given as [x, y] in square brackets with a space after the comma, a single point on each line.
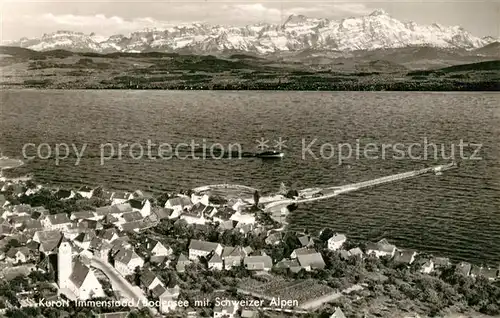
[469, 87]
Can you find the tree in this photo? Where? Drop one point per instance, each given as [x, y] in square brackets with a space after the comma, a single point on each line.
[256, 197]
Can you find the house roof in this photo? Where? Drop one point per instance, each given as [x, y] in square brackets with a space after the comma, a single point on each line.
[171, 292]
[258, 262]
[132, 216]
[49, 245]
[13, 251]
[198, 208]
[233, 251]
[338, 238]
[82, 215]
[383, 245]
[305, 240]
[108, 234]
[125, 256]
[60, 218]
[288, 263]
[49, 235]
[215, 259]
[121, 195]
[79, 273]
[104, 210]
[163, 213]
[304, 251]
[121, 208]
[158, 290]
[120, 314]
[464, 268]
[355, 252]
[150, 244]
[85, 236]
[32, 224]
[314, 260]
[203, 245]
[62, 193]
[131, 226]
[181, 201]
[441, 261]
[85, 189]
[147, 278]
[338, 313]
[137, 204]
[404, 256]
[183, 258]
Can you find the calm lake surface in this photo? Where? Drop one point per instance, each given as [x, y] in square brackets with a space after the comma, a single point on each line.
[456, 214]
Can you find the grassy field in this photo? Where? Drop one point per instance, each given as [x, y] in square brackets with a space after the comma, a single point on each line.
[22, 68]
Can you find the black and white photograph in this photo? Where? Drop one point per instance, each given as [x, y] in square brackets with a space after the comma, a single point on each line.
[267, 158]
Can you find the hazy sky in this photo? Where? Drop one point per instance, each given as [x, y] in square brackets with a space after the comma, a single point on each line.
[33, 18]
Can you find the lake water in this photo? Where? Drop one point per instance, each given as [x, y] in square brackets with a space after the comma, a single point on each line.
[456, 214]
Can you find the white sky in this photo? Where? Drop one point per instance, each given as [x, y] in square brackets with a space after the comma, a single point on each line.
[21, 18]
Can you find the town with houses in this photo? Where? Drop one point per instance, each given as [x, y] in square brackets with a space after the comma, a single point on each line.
[88, 252]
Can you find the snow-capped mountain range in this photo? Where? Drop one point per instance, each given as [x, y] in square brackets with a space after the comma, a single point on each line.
[375, 31]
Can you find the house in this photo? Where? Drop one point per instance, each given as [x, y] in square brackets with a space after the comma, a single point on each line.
[226, 309]
[168, 300]
[441, 262]
[56, 222]
[63, 194]
[291, 264]
[489, 273]
[142, 206]
[381, 248]
[223, 214]
[84, 283]
[301, 251]
[215, 262]
[311, 261]
[130, 217]
[109, 235]
[274, 238]
[260, 263]
[249, 313]
[178, 204]
[464, 268]
[194, 216]
[335, 242]
[155, 248]
[232, 256]
[149, 280]
[83, 239]
[163, 213]
[202, 248]
[18, 255]
[85, 192]
[182, 262]
[126, 261]
[427, 266]
[338, 313]
[243, 218]
[100, 248]
[306, 241]
[43, 236]
[405, 256]
[83, 215]
[3, 201]
[203, 199]
[120, 197]
[356, 252]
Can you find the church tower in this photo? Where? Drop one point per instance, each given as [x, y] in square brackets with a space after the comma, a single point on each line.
[64, 264]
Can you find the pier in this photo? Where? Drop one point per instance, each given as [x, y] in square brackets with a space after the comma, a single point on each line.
[330, 192]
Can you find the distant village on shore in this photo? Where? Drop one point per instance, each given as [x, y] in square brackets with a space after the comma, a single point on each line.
[189, 254]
